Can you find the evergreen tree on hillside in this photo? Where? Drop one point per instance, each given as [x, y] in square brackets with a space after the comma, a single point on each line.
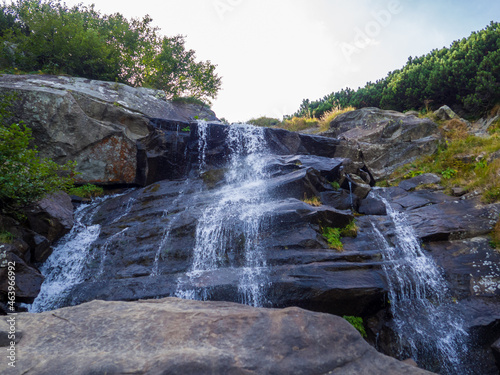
[465, 76]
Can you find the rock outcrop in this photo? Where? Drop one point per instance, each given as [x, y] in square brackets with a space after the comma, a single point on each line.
[173, 336]
[95, 123]
[386, 139]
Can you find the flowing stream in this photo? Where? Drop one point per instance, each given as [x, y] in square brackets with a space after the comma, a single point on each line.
[429, 328]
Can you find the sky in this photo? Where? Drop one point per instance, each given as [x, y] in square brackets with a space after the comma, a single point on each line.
[272, 54]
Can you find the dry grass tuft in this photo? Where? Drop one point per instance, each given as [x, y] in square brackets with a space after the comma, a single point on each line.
[328, 117]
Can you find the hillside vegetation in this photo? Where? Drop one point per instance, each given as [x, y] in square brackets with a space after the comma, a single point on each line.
[465, 76]
[47, 36]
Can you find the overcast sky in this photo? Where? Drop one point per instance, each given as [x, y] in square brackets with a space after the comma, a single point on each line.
[271, 54]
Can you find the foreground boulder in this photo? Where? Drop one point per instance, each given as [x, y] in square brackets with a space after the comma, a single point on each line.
[386, 139]
[173, 336]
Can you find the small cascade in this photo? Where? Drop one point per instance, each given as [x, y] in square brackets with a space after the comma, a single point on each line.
[429, 327]
[232, 224]
[63, 269]
[350, 195]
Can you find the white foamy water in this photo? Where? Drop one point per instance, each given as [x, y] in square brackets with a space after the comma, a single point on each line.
[430, 329]
[229, 228]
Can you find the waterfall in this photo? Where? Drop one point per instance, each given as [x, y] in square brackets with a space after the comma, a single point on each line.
[429, 328]
[63, 269]
[231, 225]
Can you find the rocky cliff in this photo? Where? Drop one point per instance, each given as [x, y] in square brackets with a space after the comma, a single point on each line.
[226, 213]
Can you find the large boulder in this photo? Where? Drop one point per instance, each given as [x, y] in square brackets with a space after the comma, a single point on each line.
[173, 336]
[386, 139]
[95, 123]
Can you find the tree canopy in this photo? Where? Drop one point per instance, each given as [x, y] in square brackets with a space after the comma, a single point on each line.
[49, 37]
[465, 76]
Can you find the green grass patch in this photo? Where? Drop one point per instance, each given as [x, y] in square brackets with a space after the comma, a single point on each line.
[462, 162]
[350, 230]
[332, 236]
[313, 201]
[86, 191]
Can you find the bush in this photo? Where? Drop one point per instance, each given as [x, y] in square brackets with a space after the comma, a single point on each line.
[50, 37]
[295, 124]
[24, 176]
[328, 117]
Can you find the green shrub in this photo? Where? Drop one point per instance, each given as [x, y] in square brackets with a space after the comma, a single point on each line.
[356, 322]
[335, 185]
[86, 191]
[24, 175]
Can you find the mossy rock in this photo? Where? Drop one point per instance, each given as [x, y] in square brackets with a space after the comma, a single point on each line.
[212, 177]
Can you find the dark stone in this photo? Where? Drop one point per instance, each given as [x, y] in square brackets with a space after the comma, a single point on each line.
[372, 206]
[51, 217]
[496, 352]
[426, 178]
[454, 220]
[28, 279]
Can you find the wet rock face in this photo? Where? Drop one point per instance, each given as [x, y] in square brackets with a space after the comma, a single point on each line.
[147, 239]
[190, 337]
[47, 221]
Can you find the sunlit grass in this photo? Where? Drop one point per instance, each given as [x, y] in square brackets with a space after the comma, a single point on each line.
[468, 163]
[328, 117]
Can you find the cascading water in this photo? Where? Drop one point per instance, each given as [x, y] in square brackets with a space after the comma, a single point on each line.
[63, 268]
[429, 328]
[232, 223]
